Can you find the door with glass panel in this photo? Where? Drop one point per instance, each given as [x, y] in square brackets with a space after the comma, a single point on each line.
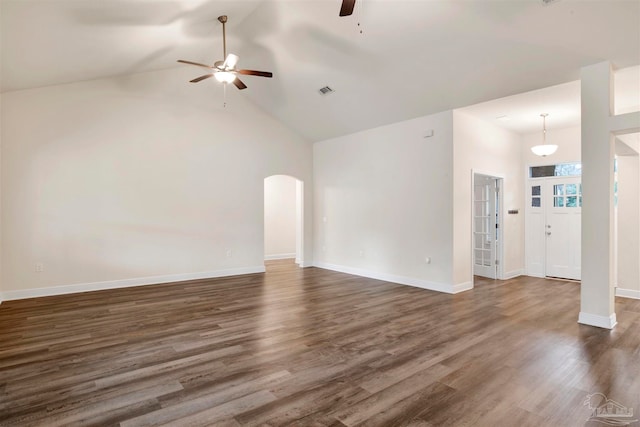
[562, 229]
[485, 232]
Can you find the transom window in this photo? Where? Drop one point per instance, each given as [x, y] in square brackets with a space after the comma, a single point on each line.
[561, 169]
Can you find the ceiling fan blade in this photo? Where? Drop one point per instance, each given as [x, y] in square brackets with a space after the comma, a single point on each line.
[255, 73]
[239, 84]
[198, 79]
[347, 7]
[194, 63]
[230, 61]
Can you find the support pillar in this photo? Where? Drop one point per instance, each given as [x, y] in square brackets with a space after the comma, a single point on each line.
[599, 127]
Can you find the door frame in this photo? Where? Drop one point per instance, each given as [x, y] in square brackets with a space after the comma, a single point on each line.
[500, 221]
[299, 214]
[546, 182]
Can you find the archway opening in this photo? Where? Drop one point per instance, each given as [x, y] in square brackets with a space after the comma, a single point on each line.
[283, 218]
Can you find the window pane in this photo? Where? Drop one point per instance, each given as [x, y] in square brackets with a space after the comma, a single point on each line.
[478, 257]
[568, 169]
[535, 190]
[558, 190]
[487, 258]
[479, 241]
[572, 202]
[535, 202]
[572, 189]
[580, 201]
[558, 202]
[542, 171]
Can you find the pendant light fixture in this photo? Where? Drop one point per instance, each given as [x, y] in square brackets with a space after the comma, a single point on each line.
[544, 149]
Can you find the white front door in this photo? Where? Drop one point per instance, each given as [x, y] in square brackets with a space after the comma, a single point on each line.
[563, 222]
[484, 226]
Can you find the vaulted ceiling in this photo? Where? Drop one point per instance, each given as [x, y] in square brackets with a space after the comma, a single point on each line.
[392, 60]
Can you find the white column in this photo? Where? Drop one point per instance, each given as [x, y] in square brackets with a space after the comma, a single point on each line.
[599, 126]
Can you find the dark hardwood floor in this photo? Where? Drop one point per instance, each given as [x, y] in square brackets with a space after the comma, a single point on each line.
[311, 347]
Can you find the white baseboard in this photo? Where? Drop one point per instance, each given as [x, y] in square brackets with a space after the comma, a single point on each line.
[402, 280]
[461, 287]
[511, 274]
[627, 293]
[606, 322]
[279, 256]
[305, 264]
[126, 283]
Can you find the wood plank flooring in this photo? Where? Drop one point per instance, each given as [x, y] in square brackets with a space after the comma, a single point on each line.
[311, 347]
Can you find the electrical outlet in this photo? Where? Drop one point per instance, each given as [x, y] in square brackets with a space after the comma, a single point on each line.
[229, 253]
[39, 267]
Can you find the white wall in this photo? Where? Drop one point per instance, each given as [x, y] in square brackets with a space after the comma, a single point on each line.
[383, 202]
[628, 227]
[487, 149]
[1, 286]
[141, 177]
[279, 217]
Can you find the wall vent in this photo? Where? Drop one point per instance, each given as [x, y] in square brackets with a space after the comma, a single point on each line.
[325, 90]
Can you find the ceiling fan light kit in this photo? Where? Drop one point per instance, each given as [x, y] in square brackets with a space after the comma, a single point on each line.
[224, 77]
[225, 71]
[544, 149]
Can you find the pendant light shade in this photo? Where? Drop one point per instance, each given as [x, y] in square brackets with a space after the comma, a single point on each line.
[544, 149]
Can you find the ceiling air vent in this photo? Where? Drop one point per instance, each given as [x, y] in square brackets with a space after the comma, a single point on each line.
[546, 2]
[325, 90]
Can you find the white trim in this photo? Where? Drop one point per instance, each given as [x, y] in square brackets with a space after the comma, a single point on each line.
[402, 280]
[627, 293]
[279, 256]
[461, 287]
[514, 273]
[305, 264]
[126, 283]
[597, 320]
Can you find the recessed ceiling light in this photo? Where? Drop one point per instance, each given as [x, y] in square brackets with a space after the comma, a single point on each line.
[325, 90]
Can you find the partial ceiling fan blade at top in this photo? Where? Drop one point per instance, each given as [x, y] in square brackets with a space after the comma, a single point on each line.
[256, 73]
[347, 7]
[198, 79]
[239, 84]
[194, 63]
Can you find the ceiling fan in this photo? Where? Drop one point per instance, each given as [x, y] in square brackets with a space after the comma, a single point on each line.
[347, 7]
[225, 71]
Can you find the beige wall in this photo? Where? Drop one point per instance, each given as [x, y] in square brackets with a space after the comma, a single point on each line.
[485, 148]
[628, 212]
[383, 202]
[144, 176]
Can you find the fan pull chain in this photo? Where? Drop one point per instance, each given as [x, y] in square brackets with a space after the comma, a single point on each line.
[359, 13]
[224, 90]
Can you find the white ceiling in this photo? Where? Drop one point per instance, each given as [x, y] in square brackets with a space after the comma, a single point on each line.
[413, 57]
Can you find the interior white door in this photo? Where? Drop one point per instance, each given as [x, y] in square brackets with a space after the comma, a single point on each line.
[484, 226]
[563, 223]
